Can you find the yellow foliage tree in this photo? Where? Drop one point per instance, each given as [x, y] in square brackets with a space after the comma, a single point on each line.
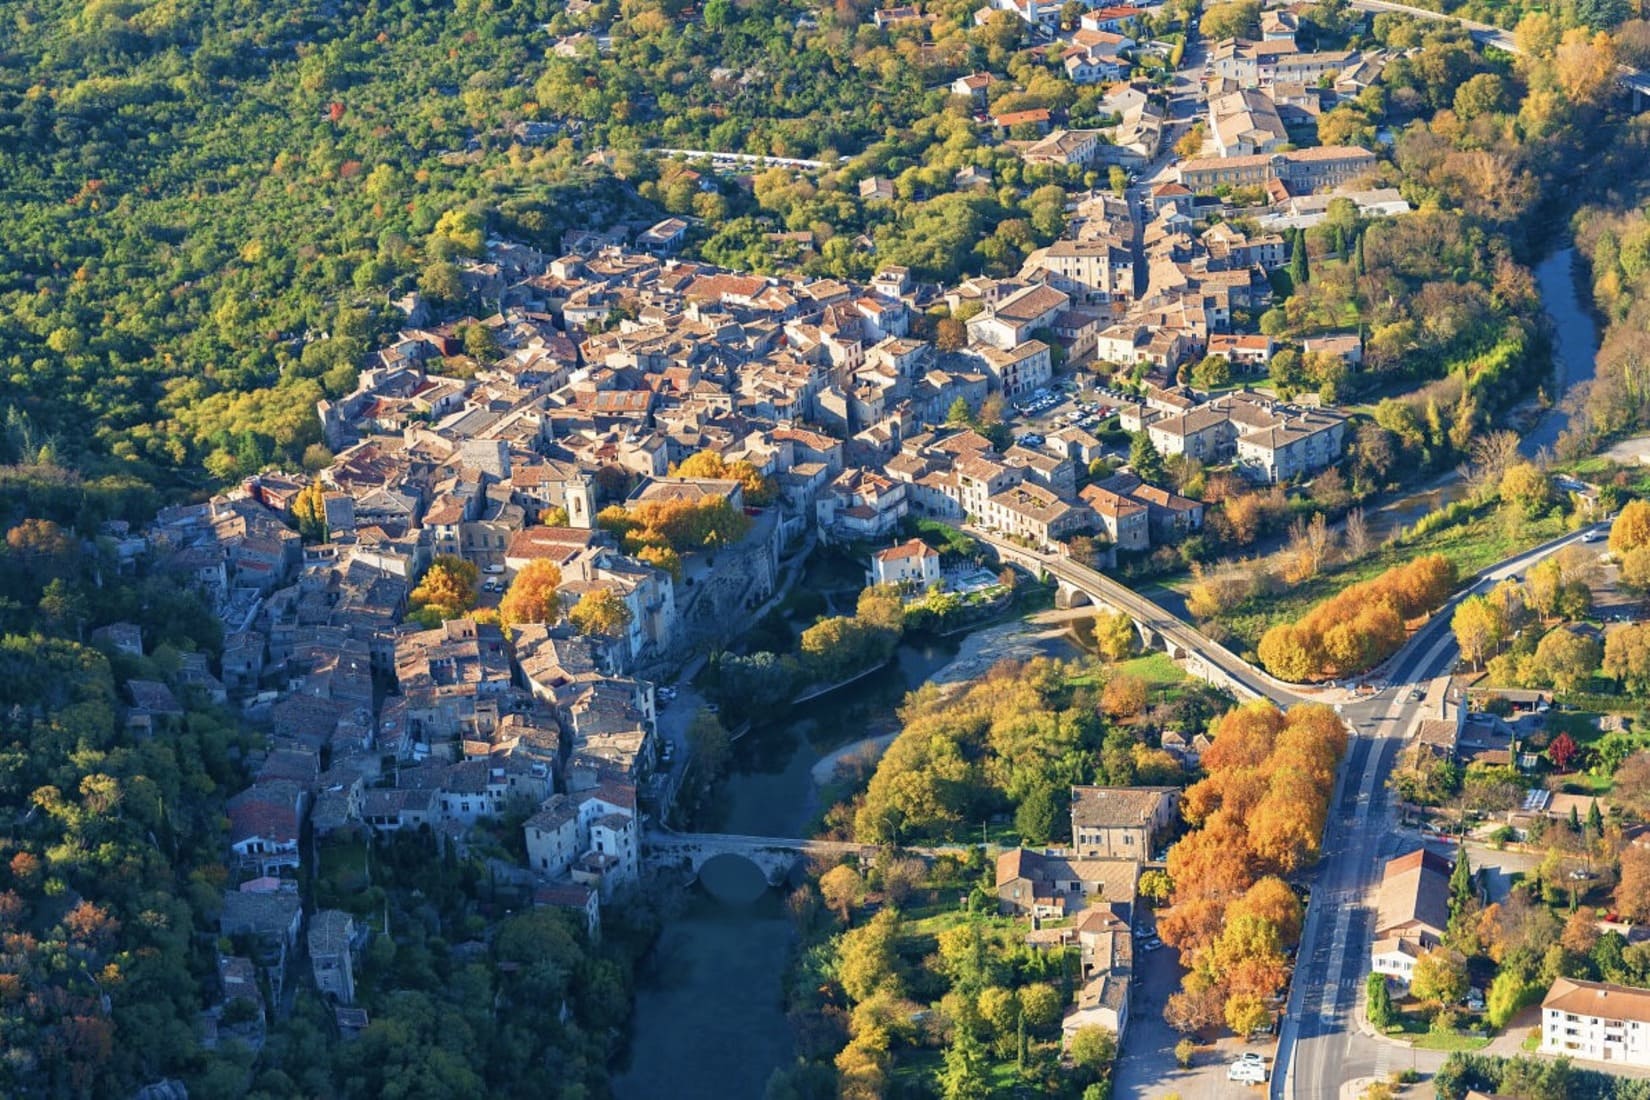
[1631, 529]
[532, 595]
[447, 590]
[600, 612]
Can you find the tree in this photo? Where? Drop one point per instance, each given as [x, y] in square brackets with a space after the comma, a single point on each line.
[1633, 888]
[1145, 460]
[1585, 65]
[1440, 977]
[1119, 180]
[964, 1076]
[1527, 489]
[1212, 372]
[1114, 635]
[1477, 627]
[532, 597]
[1635, 570]
[446, 591]
[1631, 528]
[600, 612]
[1483, 94]
[1378, 1002]
[1632, 784]
[1567, 658]
[1092, 1051]
[309, 511]
[1299, 273]
[842, 888]
[1562, 752]
[960, 415]
[866, 957]
[1461, 895]
[1627, 657]
[1041, 1007]
[1234, 19]
[1124, 696]
[950, 334]
[1038, 815]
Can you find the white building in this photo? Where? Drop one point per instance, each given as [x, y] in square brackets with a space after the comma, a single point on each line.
[592, 837]
[1596, 1021]
[914, 561]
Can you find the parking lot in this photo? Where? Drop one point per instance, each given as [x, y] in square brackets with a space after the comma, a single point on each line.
[1050, 409]
[1146, 1064]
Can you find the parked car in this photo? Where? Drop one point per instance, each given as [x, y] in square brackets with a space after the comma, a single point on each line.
[1248, 1069]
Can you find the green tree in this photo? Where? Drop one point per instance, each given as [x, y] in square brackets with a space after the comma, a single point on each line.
[1298, 271]
[1092, 1051]
[1440, 977]
[1212, 372]
[1378, 1002]
[1462, 896]
[1145, 459]
[964, 1076]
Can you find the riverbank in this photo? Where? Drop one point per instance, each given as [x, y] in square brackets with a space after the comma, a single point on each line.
[1017, 640]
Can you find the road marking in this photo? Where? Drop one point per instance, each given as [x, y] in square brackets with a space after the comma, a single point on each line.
[1337, 959]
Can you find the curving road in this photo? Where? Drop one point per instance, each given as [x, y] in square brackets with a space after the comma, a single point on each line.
[1320, 1046]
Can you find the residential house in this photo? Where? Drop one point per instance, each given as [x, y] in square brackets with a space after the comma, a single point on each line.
[1125, 521]
[1597, 1022]
[331, 946]
[860, 504]
[1121, 822]
[264, 823]
[1303, 169]
[911, 562]
[1412, 904]
[1031, 883]
[664, 238]
[1032, 512]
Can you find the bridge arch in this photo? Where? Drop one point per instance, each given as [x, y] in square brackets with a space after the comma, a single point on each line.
[1067, 596]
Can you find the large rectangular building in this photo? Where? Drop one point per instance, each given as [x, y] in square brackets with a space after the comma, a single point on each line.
[1597, 1021]
[1302, 169]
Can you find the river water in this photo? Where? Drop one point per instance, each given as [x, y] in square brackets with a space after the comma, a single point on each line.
[1575, 349]
[1575, 342]
[710, 1015]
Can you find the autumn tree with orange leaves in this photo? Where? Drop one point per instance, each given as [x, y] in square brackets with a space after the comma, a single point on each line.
[532, 595]
[1257, 817]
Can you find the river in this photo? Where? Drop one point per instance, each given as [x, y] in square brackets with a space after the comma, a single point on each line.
[1575, 342]
[1575, 351]
[710, 1015]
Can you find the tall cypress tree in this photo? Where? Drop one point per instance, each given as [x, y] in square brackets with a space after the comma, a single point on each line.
[1298, 273]
[1460, 882]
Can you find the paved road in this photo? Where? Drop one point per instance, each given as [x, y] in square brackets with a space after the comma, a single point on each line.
[1631, 78]
[1321, 1046]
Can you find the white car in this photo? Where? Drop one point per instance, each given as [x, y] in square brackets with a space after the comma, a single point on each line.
[1248, 1069]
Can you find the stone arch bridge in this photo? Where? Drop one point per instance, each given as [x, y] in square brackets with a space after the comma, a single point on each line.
[1079, 586]
[775, 857]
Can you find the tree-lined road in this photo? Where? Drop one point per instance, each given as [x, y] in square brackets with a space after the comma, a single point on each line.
[1320, 1046]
